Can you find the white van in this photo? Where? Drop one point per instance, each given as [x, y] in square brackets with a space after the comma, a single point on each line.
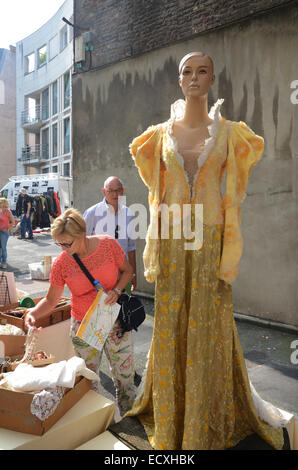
[39, 184]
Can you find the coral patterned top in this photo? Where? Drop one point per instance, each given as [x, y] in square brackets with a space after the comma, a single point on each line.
[103, 264]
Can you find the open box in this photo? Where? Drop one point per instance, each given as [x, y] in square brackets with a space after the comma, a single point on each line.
[50, 359]
[12, 346]
[15, 413]
[60, 313]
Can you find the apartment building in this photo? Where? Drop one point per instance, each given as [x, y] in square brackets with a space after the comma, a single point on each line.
[44, 65]
[7, 114]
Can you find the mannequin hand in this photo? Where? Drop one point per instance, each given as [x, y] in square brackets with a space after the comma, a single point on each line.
[111, 298]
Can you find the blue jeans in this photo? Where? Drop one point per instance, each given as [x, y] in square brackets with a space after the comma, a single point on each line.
[26, 226]
[3, 243]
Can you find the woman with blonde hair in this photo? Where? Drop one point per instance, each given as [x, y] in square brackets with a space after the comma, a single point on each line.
[105, 260]
[6, 222]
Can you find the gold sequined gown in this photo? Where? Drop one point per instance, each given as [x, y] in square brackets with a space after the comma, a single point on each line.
[195, 392]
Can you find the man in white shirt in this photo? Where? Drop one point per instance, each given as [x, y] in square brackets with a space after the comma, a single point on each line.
[112, 217]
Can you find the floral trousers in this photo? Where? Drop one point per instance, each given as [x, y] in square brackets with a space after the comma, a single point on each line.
[119, 352]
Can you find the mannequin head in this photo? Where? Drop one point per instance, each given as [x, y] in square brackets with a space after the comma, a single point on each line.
[196, 74]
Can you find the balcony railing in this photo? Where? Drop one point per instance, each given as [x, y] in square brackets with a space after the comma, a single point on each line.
[31, 118]
[31, 115]
[35, 154]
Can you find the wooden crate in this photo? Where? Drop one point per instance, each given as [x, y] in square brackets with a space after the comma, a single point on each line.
[60, 313]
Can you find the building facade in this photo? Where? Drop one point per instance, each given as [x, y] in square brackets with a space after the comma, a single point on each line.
[7, 114]
[44, 66]
[128, 80]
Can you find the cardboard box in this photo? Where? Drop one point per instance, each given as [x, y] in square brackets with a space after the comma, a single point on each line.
[88, 418]
[105, 441]
[15, 413]
[12, 346]
[41, 270]
[55, 340]
[60, 313]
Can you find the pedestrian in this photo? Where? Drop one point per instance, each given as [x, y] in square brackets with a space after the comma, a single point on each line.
[105, 260]
[195, 392]
[23, 209]
[112, 217]
[6, 223]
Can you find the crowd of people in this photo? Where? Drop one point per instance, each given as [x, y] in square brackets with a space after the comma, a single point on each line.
[195, 392]
[31, 212]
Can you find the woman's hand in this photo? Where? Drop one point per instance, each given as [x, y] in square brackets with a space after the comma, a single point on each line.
[111, 298]
[29, 320]
[44, 306]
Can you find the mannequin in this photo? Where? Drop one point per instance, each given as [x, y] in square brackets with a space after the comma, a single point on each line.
[195, 392]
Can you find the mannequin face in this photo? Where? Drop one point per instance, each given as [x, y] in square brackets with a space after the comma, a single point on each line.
[196, 76]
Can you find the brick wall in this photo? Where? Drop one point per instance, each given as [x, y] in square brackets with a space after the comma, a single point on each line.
[126, 28]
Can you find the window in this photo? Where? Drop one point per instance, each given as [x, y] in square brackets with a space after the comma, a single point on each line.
[55, 139]
[66, 169]
[29, 63]
[66, 90]
[42, 56]
[67, 135]
[32, 110]
[55, 169]
[53, 47]
[45, 170]
[45, 143]
[63, 38]
[45, 104]
[55, 98]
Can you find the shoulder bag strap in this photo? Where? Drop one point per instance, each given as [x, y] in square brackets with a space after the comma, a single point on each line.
[93, 281]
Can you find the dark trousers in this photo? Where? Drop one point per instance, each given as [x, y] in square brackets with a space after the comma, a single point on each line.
[26, 226]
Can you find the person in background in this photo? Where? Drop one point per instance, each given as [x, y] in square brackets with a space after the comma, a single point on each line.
[23, 208]
[105, 260]
[6, 222]
[112, 217]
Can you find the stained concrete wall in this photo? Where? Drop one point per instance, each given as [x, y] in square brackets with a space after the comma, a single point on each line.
[7, 116]
[255, 65]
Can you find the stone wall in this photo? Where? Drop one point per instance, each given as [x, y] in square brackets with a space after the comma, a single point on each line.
[255, 66]
[127, 28]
